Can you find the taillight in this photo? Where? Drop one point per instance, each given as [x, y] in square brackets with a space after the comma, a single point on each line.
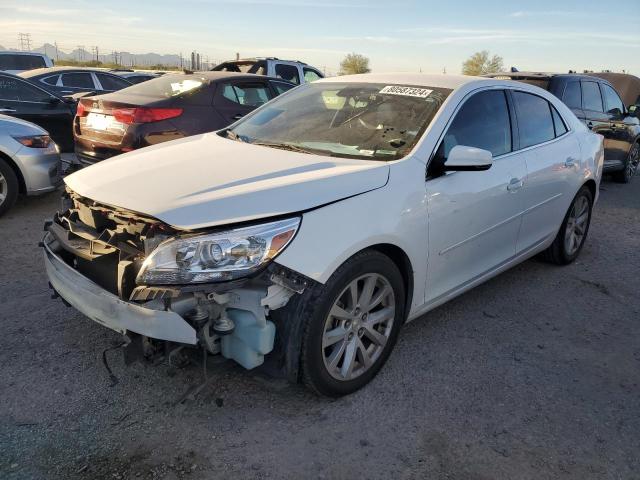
[81, 110]
[144, 115]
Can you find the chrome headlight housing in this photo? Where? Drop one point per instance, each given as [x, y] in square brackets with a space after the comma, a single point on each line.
[216, 257]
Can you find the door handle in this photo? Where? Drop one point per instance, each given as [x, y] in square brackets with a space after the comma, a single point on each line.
[569, 162]
[8, 110]
[515, 184]
[238, 116]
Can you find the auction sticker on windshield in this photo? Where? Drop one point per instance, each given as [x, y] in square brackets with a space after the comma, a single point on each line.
[407, 91]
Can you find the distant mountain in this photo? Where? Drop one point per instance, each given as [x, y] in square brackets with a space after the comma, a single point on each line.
[123, 58]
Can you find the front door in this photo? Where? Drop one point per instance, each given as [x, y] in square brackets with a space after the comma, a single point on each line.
[23, 100]
[474, 217]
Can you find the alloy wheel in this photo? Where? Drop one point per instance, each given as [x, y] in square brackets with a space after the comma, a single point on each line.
[576, 225]
[634, 159]
[4, 188]
[358, 326]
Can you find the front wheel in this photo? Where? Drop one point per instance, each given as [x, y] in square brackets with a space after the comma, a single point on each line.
[625, 175]
[354, 325]
[8, 187]
[573, 231]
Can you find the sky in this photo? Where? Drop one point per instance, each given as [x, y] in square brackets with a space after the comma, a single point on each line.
[399, 35]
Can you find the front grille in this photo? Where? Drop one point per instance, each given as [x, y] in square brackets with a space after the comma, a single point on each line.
[106, 244]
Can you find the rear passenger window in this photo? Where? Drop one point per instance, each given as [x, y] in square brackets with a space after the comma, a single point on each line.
[572, 97]
[78, 80]
[558, 123]
[282, 87]
[482, 122]
[535, 123]
[288, 73]
[591, 98]
[247, 95]
[53, 80]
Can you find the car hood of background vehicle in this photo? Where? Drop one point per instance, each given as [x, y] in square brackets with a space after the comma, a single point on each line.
[207, 180]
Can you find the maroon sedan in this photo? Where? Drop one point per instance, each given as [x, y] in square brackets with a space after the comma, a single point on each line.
[166, 108]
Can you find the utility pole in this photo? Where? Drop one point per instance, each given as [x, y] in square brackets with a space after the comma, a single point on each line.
[80, 52]
[181, 63]
[95, 50]
[57, 55]
[25, 41]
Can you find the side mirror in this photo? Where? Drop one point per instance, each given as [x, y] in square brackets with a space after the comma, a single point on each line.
[468, 159]
[633, 110]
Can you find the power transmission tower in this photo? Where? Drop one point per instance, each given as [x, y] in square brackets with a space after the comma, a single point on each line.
[80, 52]
[25, 41]
[95, 50]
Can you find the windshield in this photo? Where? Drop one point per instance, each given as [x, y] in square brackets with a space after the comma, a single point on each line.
[167, 86]
[352, 120]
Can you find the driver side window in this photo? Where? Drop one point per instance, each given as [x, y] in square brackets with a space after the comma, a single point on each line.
[482, 122]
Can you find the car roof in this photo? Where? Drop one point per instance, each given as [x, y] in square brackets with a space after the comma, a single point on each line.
[53, 70]
[217, 75]
[15, 52]
[424, 80]
[538, 75]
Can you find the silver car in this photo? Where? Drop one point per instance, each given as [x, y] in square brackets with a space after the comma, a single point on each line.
[29, 161]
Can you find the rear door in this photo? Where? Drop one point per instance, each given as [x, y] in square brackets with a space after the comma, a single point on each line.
[74, 82]
[572, 98]
[235, 98]
[552, 156]
[595, 117]
[21, 99]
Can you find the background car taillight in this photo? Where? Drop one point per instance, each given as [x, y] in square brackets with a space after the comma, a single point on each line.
[81, 110]
[144, 115]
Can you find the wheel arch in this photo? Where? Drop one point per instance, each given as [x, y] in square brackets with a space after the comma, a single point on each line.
[592, 186]
[399, 257]
[22, 186]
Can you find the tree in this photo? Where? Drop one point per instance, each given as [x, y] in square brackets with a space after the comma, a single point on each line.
[354, 63]
[480, 64]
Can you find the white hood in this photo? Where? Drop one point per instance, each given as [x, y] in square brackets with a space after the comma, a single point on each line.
[206, 180]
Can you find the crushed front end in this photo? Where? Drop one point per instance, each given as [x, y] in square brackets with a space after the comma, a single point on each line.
[137, 275]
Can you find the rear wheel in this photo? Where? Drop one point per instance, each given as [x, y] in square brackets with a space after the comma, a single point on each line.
[625, 175]
[354, 325]
[573, 232]
[8, 187]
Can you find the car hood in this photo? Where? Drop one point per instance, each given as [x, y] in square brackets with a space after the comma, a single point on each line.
[207, 180]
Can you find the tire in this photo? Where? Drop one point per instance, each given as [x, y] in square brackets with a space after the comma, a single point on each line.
[563, 251]
[325, 321]
[630, 167]
[8, 187]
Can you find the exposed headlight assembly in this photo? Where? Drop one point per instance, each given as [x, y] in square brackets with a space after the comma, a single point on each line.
[216, 257]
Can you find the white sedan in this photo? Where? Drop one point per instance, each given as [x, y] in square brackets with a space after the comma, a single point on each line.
[306, 234]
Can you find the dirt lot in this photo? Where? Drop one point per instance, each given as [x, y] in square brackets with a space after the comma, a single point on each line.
[533, 375]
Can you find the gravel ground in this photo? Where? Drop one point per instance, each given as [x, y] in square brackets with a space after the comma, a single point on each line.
[534, 374]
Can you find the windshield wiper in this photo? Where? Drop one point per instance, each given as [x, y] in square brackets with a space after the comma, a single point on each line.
[283, 146]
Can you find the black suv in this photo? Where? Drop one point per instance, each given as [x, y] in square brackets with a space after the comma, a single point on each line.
[598, 105]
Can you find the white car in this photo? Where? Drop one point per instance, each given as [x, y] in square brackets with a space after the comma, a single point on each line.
[310, 231]
[15, 62]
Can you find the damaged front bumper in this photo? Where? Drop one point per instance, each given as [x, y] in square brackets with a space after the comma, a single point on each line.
[107, 309]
